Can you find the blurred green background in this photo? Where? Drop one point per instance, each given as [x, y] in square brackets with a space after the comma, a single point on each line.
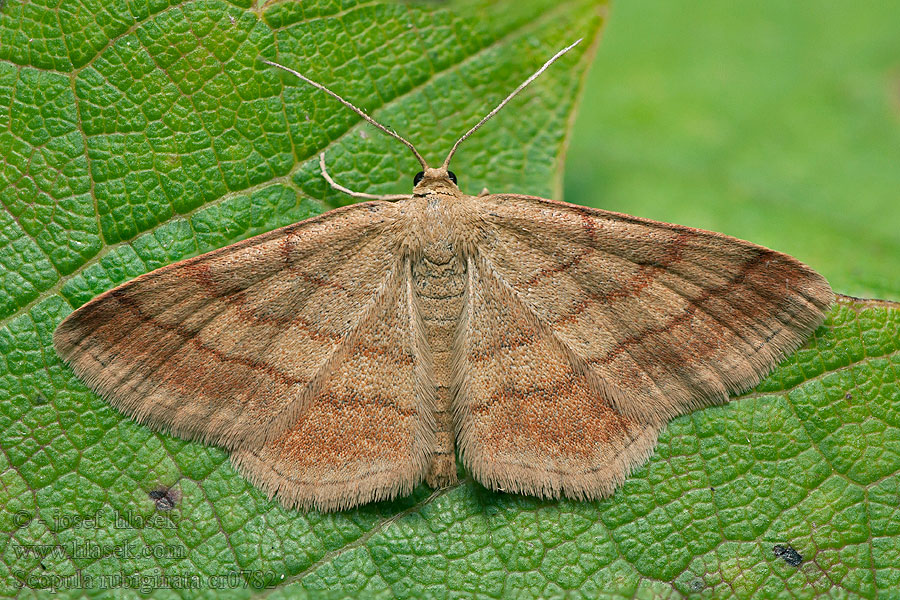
[777, 122]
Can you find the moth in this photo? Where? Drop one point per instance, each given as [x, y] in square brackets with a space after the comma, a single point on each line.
[347, 358]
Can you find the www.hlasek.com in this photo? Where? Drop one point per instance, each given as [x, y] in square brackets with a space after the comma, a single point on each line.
[90, 549]
[148, 582]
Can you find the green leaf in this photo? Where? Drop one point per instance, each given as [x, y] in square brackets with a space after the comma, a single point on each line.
[776, 122]
[137, 134]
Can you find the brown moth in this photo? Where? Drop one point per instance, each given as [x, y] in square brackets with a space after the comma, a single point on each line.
[345, 358]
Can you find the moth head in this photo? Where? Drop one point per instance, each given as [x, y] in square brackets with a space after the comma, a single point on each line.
[434, 180]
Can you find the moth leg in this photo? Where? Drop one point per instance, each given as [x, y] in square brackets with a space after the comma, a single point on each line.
[350, 192]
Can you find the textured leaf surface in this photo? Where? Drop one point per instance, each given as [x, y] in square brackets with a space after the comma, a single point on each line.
[133, 135]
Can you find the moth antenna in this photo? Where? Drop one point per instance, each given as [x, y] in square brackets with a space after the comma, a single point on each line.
[350, 192]
[512, 95]
[354, 108]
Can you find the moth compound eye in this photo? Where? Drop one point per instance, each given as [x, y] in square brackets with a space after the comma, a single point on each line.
[418, 177]
[452, 176]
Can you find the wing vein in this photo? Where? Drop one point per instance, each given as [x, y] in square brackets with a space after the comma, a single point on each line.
[692, 301]
[655, 225]
[291, 411]
[578, 363]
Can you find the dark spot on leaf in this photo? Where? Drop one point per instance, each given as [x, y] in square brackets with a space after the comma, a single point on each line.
[848, 396]
[39, 399]
[696, 584]
[788, 554]
[165, 498]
